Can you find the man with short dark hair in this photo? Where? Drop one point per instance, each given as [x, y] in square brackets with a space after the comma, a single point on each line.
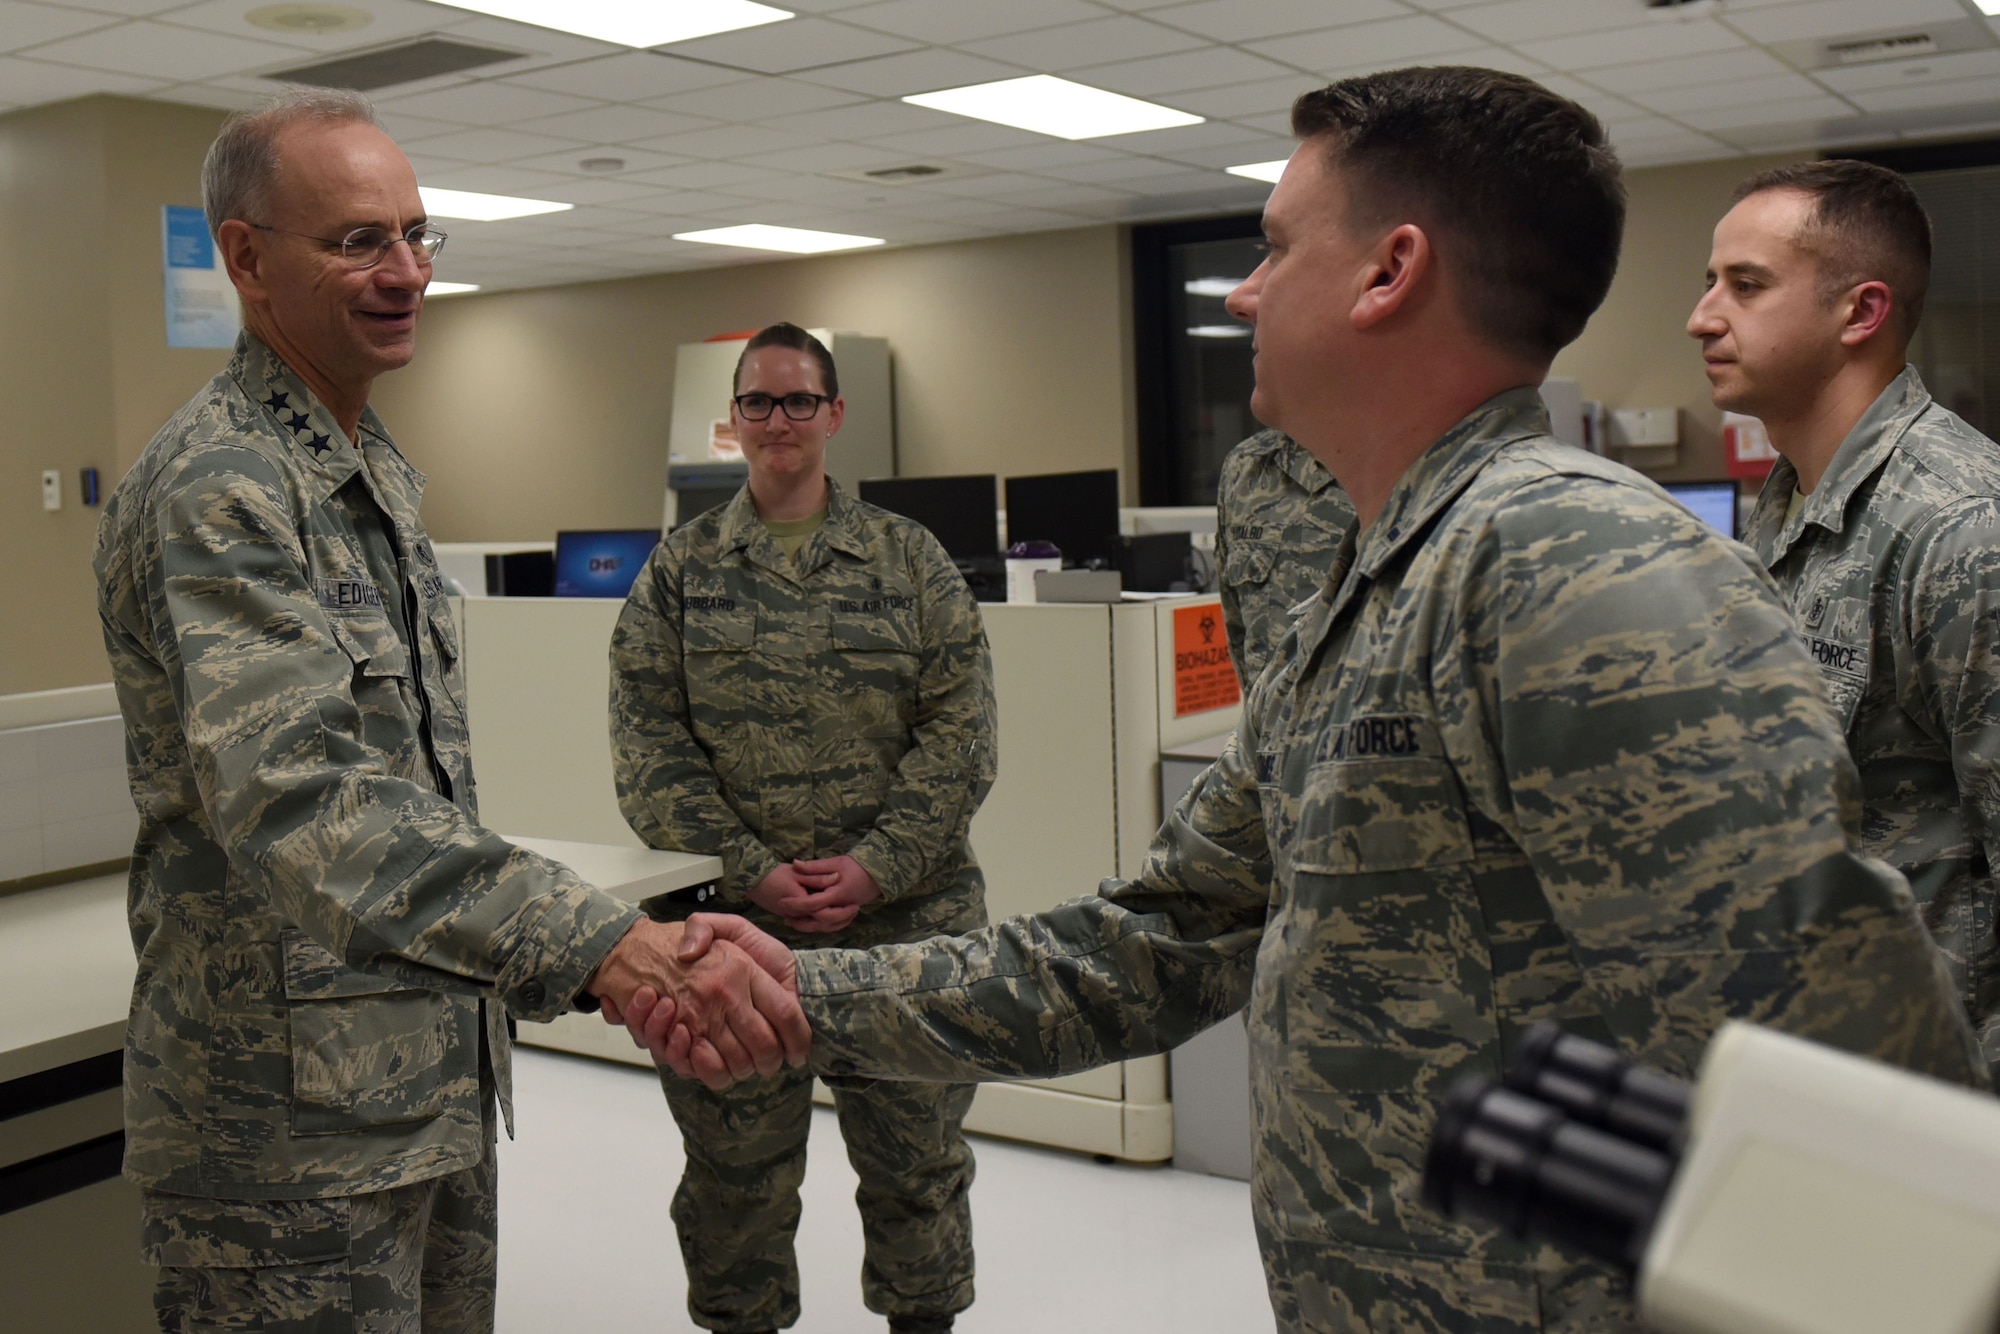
[329, 944]
[1548, 748]
[1880, 521]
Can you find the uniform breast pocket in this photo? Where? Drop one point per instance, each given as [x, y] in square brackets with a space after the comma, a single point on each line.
[1248, 563]
[371, 643]
[365, 1052]
[875, 667]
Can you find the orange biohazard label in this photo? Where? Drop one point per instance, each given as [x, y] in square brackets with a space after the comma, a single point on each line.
[1204, 678]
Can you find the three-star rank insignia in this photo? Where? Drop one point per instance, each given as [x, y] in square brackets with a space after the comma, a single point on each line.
[299, 424]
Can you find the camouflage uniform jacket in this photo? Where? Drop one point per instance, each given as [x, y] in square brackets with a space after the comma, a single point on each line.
[318, 917]
[1550, 749]
[1279, 519]
[1893, 570]
[764, 709]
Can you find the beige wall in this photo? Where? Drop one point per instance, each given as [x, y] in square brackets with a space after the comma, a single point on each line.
[547, 409]
[1636, 352]
[85, 373]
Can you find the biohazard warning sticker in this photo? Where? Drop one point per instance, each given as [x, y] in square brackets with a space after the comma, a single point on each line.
[1204, 678]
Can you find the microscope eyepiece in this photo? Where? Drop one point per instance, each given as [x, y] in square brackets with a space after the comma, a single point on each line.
[1597, 1086]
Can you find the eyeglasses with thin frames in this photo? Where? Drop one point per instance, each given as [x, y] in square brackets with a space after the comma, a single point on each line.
[798, 407]
[365, 247]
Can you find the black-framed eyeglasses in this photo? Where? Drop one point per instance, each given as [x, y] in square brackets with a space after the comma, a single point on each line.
[799, 407]
[365, 247]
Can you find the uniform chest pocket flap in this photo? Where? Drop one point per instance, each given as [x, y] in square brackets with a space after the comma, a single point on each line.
[712, 629]
[1248, 563]
[365, 1051]
[372, 643]
[1369, 815]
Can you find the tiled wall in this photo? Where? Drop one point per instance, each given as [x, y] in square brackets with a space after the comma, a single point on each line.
[63, 797]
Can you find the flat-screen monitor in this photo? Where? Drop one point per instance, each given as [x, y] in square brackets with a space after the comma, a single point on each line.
[961, 512]
[1714, 503]
[601, 564]
[1078, 511]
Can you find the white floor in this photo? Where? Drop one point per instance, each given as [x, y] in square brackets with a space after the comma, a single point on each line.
[1064, 1242]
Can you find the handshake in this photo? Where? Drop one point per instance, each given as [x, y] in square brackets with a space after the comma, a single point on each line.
[712, 998]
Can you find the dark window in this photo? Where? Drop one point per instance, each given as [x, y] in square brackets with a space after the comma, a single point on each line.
[1193, 359]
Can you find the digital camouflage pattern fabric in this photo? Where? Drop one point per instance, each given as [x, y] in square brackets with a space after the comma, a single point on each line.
[323, 929]
[766, 708]
[1551, 749]
[1279, 519]
[1892, 568]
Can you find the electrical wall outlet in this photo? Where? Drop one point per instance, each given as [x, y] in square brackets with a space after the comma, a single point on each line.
[51, 488]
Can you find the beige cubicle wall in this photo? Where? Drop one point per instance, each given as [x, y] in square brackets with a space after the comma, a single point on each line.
[1086, 705]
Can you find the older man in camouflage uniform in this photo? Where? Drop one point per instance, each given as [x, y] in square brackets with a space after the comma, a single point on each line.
[1550, 749]
[1279, 519]
[329, 946]
[801, 685]
[1881, 523]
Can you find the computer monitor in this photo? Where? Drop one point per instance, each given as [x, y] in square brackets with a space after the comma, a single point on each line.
[1714, 503]
[961, 512]
[601, 564]
[1078, 511]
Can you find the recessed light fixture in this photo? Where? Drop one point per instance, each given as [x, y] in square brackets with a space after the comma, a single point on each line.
[1211, 286]
[436, 288]
[476, 207]
[1260, 171]
[1219, 331]
[601, 164]
[1048, 105]
[631, 22]
[1988, 7]
[309, 20]
[791, 240]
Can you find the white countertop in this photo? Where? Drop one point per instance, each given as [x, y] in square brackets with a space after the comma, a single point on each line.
[632, 874]
[1208, 749]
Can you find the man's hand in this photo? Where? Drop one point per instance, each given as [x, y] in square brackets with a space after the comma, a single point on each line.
[841, 888]
[651, 1018]
[746, 1019]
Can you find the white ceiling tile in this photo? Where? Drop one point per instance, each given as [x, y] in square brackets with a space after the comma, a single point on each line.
[1823, 107]
[1526, 20]
[1098, 42]
[1069, 196]
[704, 176]
[1592, 98]
[393, 21]
[1278, 123]
[1966, 92]
[543, 46]
[947, 23]
[498, 180]
[1162, 76]
[598, 190]
[1203, 184]
[154, 50]
[1182, 137]
[486, 102]
[1736, 92]
[1118, 169]
[1910, 73]
[758, 99]
[1627, 46]
[432, 164]
[1031, 220]
[865, 121]
[669, 203]
[1231, 155]
[402, 127]
[829, 191]
[129, 8]
[1685, 148]
[831, 156]
[208, 95]
[568, 161]
[489, 145]
[1248, 20]
[630, 76]
[1402, 39]
[30, 25]
[614, 124]
[780, 48]
[1840, 18]
[912, 72]
[1249, 99]
[1746, 62]
[728, 141]
[1041, 156]
[1639, 129]
[986, 187]
[956, 139]
[30, 82]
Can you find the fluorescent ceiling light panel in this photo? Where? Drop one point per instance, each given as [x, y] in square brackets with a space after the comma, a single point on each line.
[1219, 331]
[1048, 105]
[1989, 7]
[1271, 171]
[791, 240]
[476, 207]
[1211, 286]
[436, 288]
[631, 22]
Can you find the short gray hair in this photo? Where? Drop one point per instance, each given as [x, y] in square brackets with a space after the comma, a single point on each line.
[236, 175]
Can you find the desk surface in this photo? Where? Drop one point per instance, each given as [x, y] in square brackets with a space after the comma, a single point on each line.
[66, 971]
[632, 874]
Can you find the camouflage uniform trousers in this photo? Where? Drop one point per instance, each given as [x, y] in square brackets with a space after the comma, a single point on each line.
[737, 1208]
[415, 1259]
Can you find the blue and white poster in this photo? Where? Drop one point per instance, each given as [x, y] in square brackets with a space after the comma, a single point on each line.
[201, 303]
